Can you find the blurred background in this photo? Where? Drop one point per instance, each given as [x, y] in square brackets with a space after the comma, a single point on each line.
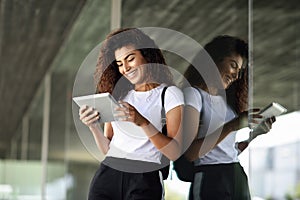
[44, 42]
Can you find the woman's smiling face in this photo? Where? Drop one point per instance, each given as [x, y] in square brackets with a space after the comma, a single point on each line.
[130, 62]
[229, 69]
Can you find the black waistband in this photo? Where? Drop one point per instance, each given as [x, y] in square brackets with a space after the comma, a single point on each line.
[212, 167]
[131, 166]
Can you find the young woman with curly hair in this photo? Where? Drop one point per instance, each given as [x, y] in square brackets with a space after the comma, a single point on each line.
[132, 68]
[214, 151]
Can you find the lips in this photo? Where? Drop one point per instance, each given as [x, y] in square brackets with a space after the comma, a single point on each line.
[228, 80]
[131, 74]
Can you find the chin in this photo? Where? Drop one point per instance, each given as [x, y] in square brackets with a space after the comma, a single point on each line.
[225, 85]
[134, 82]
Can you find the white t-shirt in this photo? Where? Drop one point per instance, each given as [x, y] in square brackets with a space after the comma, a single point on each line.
[129, 140]
[216, 112]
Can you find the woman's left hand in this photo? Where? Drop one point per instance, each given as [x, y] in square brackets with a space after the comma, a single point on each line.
[128, 113]
[263, 128]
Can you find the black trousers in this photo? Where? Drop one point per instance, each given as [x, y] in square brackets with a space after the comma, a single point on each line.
[112, 184]
[220, 182]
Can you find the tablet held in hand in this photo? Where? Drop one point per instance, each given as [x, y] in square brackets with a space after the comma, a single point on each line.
[273, 109]
[104, 103]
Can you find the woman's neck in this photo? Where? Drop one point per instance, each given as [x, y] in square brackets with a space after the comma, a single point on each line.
[210, 90]
[145, 86]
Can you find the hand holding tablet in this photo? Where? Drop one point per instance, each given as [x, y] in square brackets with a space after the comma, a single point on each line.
[273, 109]
[104, 103]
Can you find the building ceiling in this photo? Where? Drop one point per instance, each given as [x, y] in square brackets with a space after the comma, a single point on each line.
[31, 34]
[35, 35]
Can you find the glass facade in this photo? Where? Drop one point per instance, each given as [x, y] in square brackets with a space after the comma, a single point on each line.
[47, 158]
[53, 164]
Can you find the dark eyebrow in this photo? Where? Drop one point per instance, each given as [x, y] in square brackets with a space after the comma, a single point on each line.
[126, 56]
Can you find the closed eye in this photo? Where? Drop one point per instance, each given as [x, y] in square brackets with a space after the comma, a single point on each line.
[119, 64]
[234, 65]
[131, 58]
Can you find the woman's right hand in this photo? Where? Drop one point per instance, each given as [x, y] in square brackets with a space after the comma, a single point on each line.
[248, 118]
[88, 115]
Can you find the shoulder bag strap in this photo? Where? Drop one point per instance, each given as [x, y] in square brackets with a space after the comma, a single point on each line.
[163, 112]
[202, 109]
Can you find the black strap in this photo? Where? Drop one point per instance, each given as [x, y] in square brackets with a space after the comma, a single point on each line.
[163, 112]
[207, 112]
[163, 96]
[202, 109]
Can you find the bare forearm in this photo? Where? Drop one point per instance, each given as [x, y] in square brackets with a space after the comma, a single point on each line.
[201, 146]
[241, 146]
[101, 141]
[170, 147]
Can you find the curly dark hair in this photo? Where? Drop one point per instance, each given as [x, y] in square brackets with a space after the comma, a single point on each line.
[219, 48]
[107, 74]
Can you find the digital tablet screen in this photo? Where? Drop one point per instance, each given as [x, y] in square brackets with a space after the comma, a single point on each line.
[273, 109]
[104, 103]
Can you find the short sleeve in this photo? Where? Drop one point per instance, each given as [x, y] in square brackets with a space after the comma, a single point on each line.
[192, 97]
[173, 98]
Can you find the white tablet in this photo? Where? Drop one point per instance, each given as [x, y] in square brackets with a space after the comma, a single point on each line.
[273, 109]
[104, 103]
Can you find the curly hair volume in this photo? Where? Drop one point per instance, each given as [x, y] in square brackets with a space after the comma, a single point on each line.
[107, 76]
[219, 48]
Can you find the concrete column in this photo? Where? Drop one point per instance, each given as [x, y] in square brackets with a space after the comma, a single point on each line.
[25, 134]
[45, 134]
[116, 6]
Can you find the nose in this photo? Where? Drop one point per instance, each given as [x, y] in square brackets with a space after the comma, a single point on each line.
[126, 67]
[235, 74]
